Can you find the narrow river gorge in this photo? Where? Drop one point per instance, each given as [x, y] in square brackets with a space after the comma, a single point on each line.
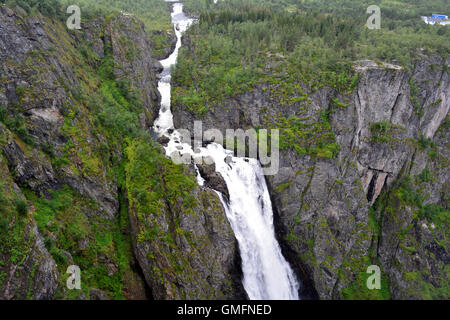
[266, 273]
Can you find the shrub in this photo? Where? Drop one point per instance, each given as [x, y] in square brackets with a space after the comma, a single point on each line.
[3, 223]
[424, 142]
[21, 206]
[20, 91]
[47, 7]
[3, 114]
[425, 176]
[3, 200]
[380, 131]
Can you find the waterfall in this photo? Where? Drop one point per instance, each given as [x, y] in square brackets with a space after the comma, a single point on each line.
[266, 274]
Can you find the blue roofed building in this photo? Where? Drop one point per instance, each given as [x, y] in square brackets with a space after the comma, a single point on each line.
[439, 16]
[437, 19]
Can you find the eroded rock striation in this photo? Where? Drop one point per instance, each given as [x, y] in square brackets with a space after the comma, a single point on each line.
[338, 214]
[70, 104]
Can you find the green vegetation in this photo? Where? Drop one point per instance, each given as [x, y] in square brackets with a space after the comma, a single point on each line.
[100, 123]
[424, 142]
[307, 137]
[292, 48]
[409, 194]
[239, 45]
[381, 132]
[358, 289]
[236, 40]
[16, 124]
[153, 181]
[21, 206]
[75, 233]
[48, 7]
[153, 13]
[413, 97]
[16, 238]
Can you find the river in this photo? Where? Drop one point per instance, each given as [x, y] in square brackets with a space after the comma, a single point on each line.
[266, 273]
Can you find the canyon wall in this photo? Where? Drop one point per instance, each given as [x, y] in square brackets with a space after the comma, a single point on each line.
[75, 110]
[375, 192]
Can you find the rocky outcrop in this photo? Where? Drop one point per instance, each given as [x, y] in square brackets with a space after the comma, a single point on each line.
[213, 179]
[59, 163]
[35, 90]
[196, 260]
[27, 269]
[413, 245]
[171, 41]
[36, 276]
[322, 203]
[133, 56]
[69, 103]
[182, 238]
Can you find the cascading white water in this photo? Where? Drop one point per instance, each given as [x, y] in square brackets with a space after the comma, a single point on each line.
[267, 275]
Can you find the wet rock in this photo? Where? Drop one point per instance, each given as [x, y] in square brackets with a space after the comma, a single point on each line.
[158, 67]
[96, 294]
[213, 179]
[164, 140]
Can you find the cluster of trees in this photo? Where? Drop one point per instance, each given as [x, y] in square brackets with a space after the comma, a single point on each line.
[47, 7]
[235, 40]
[154, 13]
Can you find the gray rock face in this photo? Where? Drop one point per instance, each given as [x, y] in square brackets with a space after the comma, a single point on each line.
[132, 52]
[198, 259]
[322, 204]
[416, 250]
[213, 179]
[40, 177]
[45, 269]
[48, 137]
[35, 276]
[47, 101]
[96, 294]
[39, 84]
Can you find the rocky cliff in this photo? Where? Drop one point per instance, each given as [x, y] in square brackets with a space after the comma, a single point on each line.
[363, 176]
[74, 106]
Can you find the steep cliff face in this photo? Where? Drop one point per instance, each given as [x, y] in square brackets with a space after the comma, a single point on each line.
[27, 269]
[183, 239]
[71, 102]
[52, 150]
[363, 174]
[344, 158]
[35, 276]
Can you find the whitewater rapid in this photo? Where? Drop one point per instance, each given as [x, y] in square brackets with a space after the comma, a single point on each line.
[266, 273]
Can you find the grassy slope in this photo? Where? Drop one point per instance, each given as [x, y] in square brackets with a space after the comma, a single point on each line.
[100, 121]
